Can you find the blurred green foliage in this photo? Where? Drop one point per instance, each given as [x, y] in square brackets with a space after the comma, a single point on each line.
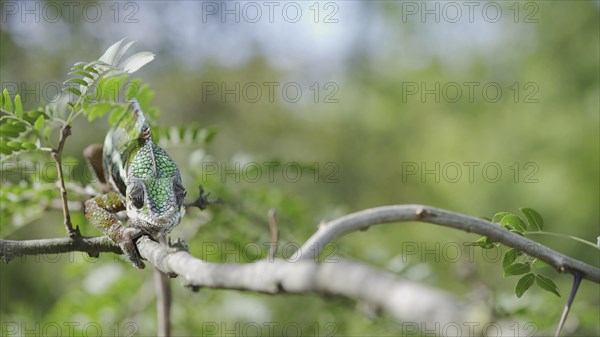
[543, 133]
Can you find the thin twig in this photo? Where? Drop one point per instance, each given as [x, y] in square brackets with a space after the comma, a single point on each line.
[274, 234]
[162, 285]
[65, 132]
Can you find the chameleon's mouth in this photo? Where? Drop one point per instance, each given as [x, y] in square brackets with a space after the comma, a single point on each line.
[163, 222]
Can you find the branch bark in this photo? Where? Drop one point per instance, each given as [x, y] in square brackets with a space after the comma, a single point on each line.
[402, 213]
[10, 249]
[405, 300]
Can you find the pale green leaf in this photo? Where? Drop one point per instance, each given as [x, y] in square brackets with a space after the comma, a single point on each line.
[122, 51]
[136, 61]
[109, 55]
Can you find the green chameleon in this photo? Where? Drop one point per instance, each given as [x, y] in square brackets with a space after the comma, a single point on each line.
[145, 183]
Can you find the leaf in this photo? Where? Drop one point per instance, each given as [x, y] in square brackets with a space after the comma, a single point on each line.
[39, 123]
[77, 81]
[122, 52]
[6, 102]
[483, 242]
[28, 146]
[110, 53]
[136, 61]
[547, 284]
[514, 222]
[534, 218]
[18, 107]
[539, 263]
[510, 257]
[82, 73]
[523, 284]
[96, 110]
[132, 89]
[498, 216]
[14, 145]
[517, 269]
[73, 90]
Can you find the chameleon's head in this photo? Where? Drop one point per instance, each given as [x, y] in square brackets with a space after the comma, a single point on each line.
[156, 204]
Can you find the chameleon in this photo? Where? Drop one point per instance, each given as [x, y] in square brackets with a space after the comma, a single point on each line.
[141, 179]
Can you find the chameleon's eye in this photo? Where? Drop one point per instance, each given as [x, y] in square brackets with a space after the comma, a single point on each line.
[137, 196]
[180, 193]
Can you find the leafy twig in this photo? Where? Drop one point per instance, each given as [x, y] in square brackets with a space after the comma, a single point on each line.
[57, 155]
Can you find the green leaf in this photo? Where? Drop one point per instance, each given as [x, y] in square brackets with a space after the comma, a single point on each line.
[513, 222]
[523, 284]
[6, 101]
[510, 257]
[547, 284]
[77, 81]
[134, 62]
[539, 263]
[18, 107]
[534, 218]
[517, 269]
[73, 90]
[28, 146]
[484, 242]
[39, 123]
[498, 216]
[14, 145]
[96, 110]
[82, 73]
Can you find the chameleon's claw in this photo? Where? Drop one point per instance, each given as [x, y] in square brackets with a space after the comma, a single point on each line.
[132, 255]
[127, 244]
[178, 245]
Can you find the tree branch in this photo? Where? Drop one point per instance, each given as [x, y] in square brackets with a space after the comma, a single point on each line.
[91, 245]
[404, 300]
[401, 213]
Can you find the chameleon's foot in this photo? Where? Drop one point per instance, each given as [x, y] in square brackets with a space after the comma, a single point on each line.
[203, 201]
[178, 245]
[126, 242]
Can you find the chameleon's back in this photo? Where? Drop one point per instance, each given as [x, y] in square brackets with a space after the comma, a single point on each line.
[122, 143]
[143, 173]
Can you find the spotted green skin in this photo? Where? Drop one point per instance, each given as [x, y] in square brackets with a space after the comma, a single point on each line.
[146, 183]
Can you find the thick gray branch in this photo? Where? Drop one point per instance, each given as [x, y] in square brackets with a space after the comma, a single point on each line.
[407, 301]
[401, 213]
